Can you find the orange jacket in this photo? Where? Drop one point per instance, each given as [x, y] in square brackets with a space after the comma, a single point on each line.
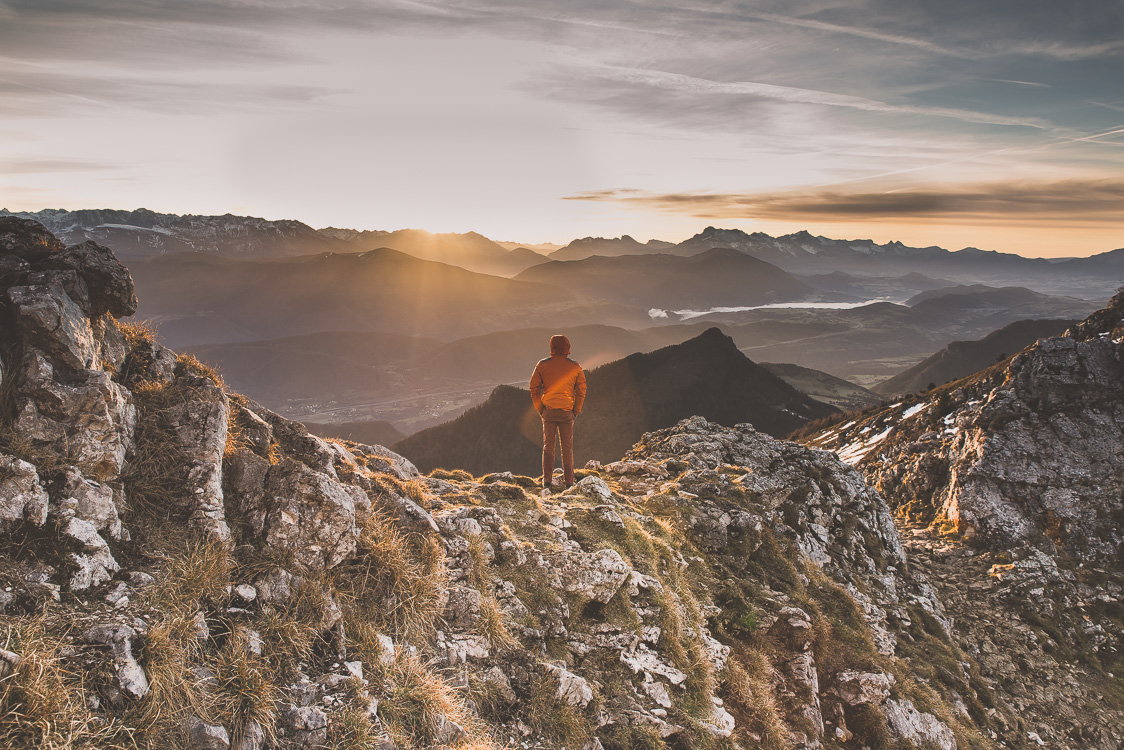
[558, 383]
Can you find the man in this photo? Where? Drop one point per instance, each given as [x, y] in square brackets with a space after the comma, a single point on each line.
[558, 392]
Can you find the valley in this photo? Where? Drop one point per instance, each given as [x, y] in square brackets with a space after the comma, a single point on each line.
[183, 562]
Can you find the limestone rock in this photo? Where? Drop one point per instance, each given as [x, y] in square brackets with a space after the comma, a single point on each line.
[27, 240]
[48, 319]
[21, 495]
[275, 586]
[119, 638]
[464, 604]
[311, 515]
[922, 729]
[386, 460]
[595, 576]
[855, 688]
[204, 736]
[94, 564]
[91, 419]
[500, 682]
[111, 286]
[573, 690]
[88, 500]
[195, 423]
[253, 737]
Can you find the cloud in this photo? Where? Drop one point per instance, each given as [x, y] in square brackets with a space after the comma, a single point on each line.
[867, 33]
[1094, 201]
[52, 166]
[38, 87]
[693, 85]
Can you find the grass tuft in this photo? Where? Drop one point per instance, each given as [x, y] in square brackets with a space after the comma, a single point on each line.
[394, 580]
[42, 697]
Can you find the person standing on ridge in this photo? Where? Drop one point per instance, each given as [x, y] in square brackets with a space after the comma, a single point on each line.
[558, 392]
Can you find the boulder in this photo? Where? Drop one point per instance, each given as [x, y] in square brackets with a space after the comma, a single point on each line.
[119, 639]
[27, 240]
[22, 498]
[204, 736]
[921, 729]
[94, 563]
[195, 426]
[48, 319]
[594, 576]
[88, 500]
[111, 286]
[857, 688]
[311, 515]
[91, 419]
[572, 690]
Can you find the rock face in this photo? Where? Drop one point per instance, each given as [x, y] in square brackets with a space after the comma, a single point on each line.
[1022, 463]
[1020, 453]
[196, 571]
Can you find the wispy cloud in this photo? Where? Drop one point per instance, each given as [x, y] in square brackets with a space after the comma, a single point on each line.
[1054, 202]
[867, 33]
[693, 85]
[52, 166]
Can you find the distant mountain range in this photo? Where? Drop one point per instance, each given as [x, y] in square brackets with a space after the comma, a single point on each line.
[962, 358]
[706, 375]
[624, 245]
[141, 233]
[714, 278]
[205, 299]
[471, 251]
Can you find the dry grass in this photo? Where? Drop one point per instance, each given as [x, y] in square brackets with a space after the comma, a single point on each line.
[456, 475]
[195, 575]
[414, 701]
[750, 689]
[188, 364]
[291, 630]
[154, 476]
[169, 650]
[137, 332]
[246, 693]
[494, 626]
[42, 700]
[394, 580]
[200, 572]
[546, 715]
[352, 729]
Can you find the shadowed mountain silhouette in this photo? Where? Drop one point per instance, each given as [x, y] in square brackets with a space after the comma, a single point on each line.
[962, 358]
[624, 245]
[720, 277]
[200, 299]
[705, 376]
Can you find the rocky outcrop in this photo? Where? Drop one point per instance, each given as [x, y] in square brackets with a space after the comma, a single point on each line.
[1026, 453]
[1020, 465]
[215, 576]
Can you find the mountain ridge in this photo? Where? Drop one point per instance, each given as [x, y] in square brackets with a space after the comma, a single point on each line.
[706, 376]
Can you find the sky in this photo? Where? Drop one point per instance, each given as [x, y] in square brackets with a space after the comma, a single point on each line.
[997, 124]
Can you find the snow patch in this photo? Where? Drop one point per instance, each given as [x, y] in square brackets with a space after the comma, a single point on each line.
[855, 452]
[913, 410]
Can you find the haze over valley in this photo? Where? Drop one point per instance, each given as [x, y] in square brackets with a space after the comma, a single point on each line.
[413, 328]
